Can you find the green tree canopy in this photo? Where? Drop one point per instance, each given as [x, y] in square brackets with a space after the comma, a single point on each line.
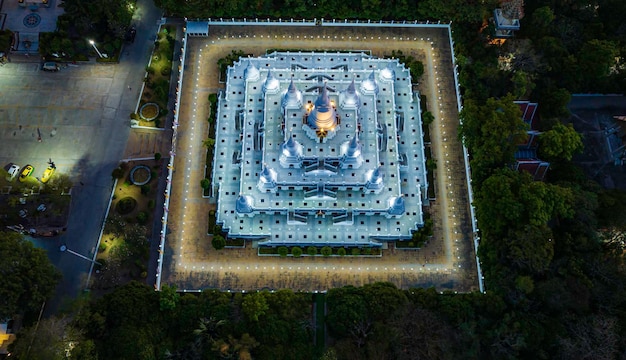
[218, 242]
[28, 278]
[560, 143]
[492, 132]
[254, 305]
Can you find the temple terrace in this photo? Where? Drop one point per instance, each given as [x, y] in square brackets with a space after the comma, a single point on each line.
[319, 149]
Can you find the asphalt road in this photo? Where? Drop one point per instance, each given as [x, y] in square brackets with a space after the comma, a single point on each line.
[83, 114]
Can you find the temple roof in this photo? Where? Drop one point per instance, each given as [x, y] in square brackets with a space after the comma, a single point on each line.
[271, 83]
[369, 86]
[293, 97]
[323, 116]
[349, 98]
[387, 74]
[251, 72]
[244, 204]
[396, 206]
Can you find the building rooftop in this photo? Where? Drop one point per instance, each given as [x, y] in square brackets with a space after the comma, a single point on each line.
[319, 149]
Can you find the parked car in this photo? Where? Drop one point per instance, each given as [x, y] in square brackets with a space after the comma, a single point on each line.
[12, 170]
[50, 66]
[26, 172]
[47, 174]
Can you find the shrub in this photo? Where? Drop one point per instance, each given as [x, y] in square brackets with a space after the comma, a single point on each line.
[117, 173]
[145, 189]
[157, 156]
[153, 175]
[283, 251]
[142, 217]
[311, 250]
[327, 251]
[205, 184]
[150, 70]
[296, 251]
[151, 204]
[126, 205]
[356, 251]
[218, 242]
[367, 251]
[166, 71]
[341, 252]
[102, 247]
[134, 116]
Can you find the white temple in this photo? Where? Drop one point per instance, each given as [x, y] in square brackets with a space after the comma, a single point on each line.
[319, 149]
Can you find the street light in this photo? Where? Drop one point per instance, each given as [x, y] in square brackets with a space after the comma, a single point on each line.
[93, 43]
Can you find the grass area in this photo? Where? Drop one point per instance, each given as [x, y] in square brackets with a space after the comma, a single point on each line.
[320, 324]
[159, 71]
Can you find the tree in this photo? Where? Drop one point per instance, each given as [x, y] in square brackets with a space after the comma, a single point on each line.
[208, 331]
[296, 251]
[283, 251]
[311, 250]
[596, 59]
[341, 251]
[42, 341]
[157, 156]
[327, 251]
[542, 18]
[492, 132]
[168, 297]
[427, 118]
[117, 173]
[254, 305]
[205, 184]
[560, 143]
[28, 278]
[218, 242]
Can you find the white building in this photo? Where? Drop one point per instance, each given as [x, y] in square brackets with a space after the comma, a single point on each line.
[319, 149]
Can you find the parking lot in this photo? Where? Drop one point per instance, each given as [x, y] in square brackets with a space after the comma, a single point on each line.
[81, 115]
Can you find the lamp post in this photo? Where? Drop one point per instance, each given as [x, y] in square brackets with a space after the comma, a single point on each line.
[93, 43]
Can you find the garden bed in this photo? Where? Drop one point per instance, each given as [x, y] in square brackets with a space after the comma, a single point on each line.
[124, 247]
[157, 82]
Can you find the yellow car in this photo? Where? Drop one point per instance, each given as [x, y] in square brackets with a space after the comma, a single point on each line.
[26, 171]
[47, 174]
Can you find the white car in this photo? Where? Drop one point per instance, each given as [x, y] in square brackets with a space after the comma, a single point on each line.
[13, 170]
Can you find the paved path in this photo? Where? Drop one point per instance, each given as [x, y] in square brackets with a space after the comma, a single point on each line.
[191, 263]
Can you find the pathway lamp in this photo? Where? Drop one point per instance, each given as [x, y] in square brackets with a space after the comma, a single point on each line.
[93, 43]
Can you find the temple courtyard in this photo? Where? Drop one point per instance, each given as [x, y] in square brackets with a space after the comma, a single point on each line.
[446, 262]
